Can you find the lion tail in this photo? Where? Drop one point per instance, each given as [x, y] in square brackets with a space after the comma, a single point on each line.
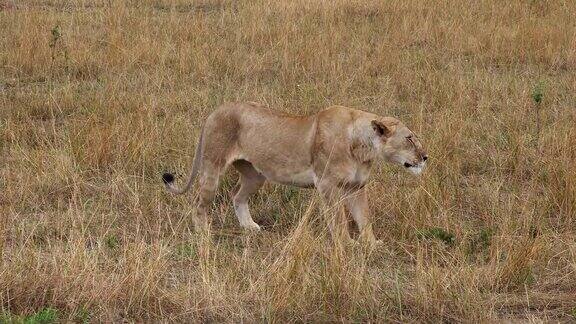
[168, 178]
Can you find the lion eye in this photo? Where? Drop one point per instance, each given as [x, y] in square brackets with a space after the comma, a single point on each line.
[409, 139]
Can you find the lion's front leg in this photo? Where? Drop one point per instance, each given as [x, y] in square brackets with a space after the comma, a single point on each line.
[357, 205]
[334, 212]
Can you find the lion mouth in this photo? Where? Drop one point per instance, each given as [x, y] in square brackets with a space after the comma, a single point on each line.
[414, 168]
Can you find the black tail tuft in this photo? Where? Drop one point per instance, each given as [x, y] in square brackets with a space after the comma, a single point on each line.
[168, 178]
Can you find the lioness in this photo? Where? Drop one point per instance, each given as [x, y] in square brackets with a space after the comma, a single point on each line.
[332, 151]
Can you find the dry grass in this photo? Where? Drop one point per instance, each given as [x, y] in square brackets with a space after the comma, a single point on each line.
[93, 112]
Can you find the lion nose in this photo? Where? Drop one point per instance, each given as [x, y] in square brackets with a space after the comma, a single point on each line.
[425, 157]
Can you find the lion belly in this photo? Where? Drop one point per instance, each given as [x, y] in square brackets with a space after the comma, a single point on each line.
[302, 179]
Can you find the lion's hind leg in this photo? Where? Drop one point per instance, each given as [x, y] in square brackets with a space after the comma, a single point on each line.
[250, 182]
[208, 184]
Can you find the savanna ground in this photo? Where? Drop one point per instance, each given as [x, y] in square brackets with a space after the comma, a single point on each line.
[98, 98]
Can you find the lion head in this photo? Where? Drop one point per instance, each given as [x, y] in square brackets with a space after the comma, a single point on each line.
[397, 144]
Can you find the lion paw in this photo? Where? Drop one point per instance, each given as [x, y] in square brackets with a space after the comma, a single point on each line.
[251, 226]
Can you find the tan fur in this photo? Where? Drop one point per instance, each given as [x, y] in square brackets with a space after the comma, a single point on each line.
[332, 151]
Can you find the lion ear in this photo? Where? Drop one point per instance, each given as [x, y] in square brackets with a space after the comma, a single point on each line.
[380, 128]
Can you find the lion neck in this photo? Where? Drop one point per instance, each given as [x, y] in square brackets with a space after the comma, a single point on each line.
[363, 148]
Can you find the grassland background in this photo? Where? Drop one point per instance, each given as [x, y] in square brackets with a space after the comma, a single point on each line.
[98, 98]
